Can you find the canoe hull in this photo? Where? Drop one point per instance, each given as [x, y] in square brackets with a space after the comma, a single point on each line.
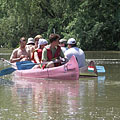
[68, 71]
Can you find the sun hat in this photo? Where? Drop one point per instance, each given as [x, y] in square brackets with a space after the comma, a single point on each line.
[42, 42]
[63, 40]
[30, 40]
[71, 41]
[38, 36]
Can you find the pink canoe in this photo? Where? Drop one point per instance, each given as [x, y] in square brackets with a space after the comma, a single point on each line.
[68, 71]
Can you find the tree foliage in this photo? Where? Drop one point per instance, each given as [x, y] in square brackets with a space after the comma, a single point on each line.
[95, 24]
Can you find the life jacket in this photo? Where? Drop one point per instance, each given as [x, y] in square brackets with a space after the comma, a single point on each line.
[56, 55]
[32, 58]
[39, 51]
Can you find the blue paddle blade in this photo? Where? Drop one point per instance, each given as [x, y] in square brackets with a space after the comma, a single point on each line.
[23, 65]
[100, 69]
[7, 71]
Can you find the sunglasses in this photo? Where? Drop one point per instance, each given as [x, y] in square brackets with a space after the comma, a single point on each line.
[23, 40]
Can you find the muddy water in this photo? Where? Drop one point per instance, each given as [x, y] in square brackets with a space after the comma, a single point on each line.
[84, 99]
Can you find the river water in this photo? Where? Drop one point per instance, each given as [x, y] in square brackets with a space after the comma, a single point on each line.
[95, 98]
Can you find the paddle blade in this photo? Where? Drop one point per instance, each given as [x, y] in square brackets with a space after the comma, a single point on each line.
[23, 65]
[7, 71]
[100, 69]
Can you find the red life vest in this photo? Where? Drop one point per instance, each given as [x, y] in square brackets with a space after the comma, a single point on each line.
[39, 51]
[32, 58]
[50, 57]
[56, 55]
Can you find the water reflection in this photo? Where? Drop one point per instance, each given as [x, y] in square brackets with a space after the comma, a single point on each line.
[51, 97]
[101, 86]
[6, 82]
[87, 99]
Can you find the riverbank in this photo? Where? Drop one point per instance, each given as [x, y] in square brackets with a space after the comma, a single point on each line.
[6, 50]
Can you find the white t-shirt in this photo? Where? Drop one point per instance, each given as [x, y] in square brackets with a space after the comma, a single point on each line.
[64, 49]
[78, 53]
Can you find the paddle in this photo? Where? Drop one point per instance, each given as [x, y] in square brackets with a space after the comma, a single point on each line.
[18, 64]
[100, 69]
[23, 65]
[4, 60]
[11, 69]
[7, 71]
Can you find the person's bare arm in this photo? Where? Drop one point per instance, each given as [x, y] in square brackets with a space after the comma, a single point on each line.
[14, 57]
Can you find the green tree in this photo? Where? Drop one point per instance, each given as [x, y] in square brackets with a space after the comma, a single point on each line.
[94, 24]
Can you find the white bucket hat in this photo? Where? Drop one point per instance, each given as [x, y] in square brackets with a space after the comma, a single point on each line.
[63, 40]
[42, 42]
[30, 40]
[71, 41]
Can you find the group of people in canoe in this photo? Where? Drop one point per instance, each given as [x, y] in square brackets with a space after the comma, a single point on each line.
[40, 50]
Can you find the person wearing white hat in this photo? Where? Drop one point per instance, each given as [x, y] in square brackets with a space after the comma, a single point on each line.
[30, 45]
[38, 52]
[30, 41]
[63, 45]
[42, 43]
[77, 52]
